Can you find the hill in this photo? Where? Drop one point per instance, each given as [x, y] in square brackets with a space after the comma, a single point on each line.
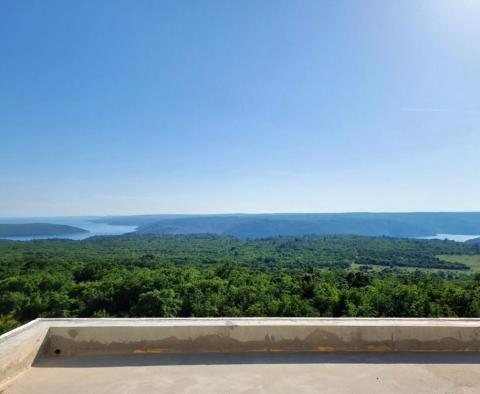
[474, 241]
[37, 229]
[416, 224]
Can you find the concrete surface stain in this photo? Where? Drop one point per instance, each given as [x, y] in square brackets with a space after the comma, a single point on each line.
[318, 341]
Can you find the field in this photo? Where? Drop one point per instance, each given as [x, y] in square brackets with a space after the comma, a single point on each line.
[472, 261]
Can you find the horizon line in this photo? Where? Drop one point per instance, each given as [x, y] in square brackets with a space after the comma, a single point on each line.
[232, 214]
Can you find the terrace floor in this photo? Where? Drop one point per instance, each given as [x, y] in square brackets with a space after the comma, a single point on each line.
[358, 373]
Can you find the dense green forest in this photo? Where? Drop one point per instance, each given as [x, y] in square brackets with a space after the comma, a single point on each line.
[210, 275]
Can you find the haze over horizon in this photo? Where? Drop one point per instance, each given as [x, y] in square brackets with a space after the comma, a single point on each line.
[6, 217]
[227, 107]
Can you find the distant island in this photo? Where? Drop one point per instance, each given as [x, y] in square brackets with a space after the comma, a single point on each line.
[38, 229]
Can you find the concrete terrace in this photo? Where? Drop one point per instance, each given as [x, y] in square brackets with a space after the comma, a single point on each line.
[242, 355]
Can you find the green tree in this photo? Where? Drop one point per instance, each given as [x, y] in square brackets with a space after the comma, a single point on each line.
[157, 303]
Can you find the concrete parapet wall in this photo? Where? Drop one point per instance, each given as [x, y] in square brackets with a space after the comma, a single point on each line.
[266, 335]
[57, 337]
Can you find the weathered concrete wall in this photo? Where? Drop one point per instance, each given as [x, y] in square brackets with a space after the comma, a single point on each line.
[264, 335]
[52, 337]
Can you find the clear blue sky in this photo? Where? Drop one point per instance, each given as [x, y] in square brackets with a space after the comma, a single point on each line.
[125, 107]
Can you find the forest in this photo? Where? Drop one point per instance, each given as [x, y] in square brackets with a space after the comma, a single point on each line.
[213, 275]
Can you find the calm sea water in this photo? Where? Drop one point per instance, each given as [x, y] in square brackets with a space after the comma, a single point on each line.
[452, 237]
[81, 222]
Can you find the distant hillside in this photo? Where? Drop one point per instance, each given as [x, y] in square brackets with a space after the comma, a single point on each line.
[37, 229]
[135, 220]
[474, 241]
[268, 225]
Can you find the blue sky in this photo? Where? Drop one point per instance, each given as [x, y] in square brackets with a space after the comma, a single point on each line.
[126, 107]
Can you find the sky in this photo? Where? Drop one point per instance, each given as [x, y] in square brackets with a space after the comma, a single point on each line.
[133, 107]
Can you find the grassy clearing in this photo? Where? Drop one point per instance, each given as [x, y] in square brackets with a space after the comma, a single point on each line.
[473, 261]
[375, 268]
[378, 268]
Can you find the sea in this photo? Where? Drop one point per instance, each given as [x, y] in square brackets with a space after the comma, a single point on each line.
[452, 237]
